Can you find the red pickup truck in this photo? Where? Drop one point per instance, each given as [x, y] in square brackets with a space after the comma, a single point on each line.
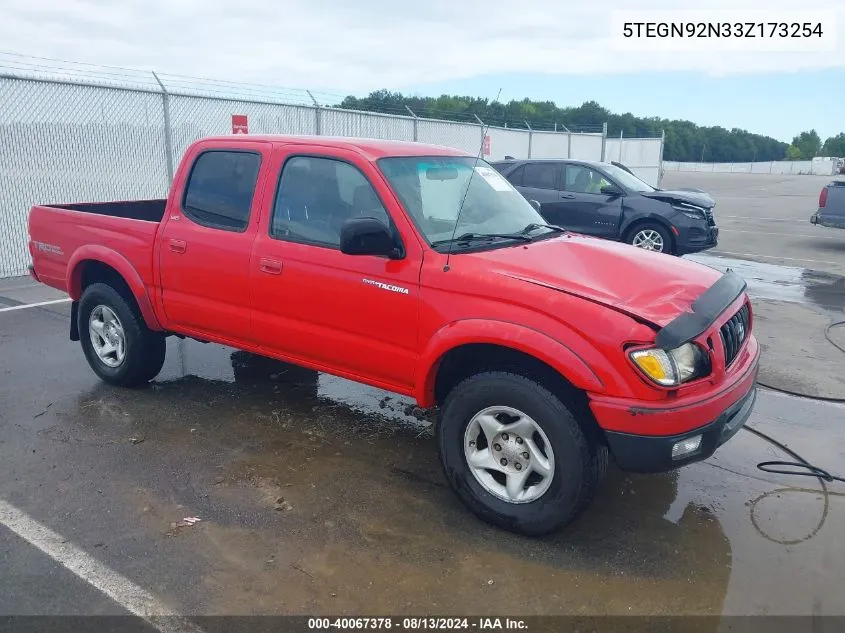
[422, 271]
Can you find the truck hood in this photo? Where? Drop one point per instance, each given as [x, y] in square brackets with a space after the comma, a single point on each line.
[648, 286]
[691, 196]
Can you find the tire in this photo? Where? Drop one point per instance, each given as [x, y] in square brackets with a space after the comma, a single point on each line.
[143, 349]
[653, 231]
[578, 462]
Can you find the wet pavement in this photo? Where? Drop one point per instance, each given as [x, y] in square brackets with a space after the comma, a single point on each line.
[766, 218]
[792, 284]
[793, 309]
[321, 496]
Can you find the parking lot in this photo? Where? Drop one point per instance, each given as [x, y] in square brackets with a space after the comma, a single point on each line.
[319, 496]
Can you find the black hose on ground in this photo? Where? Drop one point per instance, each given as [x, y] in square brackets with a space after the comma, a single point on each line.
[801, 467]
[805, 395]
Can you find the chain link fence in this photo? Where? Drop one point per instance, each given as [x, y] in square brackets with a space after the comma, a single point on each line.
[85, 140]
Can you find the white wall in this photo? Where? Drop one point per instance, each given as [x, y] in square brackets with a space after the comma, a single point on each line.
[802, 167]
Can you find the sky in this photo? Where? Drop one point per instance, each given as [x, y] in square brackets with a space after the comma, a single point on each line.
[543, 49]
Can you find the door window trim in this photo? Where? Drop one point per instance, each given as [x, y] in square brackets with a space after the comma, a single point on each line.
[392, 223]
[211, 225]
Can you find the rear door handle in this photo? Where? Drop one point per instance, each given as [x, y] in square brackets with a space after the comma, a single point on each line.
[177, 246]
[270, 266]
[568, 196]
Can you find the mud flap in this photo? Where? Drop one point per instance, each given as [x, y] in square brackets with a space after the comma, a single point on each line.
[74, 321]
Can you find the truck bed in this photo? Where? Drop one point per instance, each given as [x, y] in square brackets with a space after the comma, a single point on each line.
[60, 232]
[145, 210]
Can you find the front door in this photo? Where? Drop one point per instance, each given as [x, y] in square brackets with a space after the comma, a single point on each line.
[353, 313]
[205, 244]
[587, 210]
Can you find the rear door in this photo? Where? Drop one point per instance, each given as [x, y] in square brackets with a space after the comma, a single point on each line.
[587, 210]
[540, 181]
[205, 245]
[352, 313]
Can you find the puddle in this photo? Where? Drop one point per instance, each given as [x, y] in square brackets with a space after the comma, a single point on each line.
[783, 283]
[266, 380]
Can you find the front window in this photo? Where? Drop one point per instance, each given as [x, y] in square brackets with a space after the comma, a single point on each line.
[440, 191]
[628, 181]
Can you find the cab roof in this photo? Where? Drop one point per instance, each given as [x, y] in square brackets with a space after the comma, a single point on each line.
[371, 149]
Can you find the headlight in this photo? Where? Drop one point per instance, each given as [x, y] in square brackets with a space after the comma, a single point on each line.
[691, 211]
[673, 367]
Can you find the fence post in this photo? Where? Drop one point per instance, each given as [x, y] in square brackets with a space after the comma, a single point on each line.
[318, 115]
[416, 134]
[168, 140]
[481, 128]
[568, 144]
[660, 159]
[603, 141]
[530, 137]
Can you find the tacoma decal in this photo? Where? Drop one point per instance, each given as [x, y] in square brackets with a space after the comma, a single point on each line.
[389, 287]
[48, 248]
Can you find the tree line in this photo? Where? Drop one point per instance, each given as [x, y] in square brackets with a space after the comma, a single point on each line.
[685, 141]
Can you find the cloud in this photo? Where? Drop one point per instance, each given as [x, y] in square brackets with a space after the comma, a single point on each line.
[360, 45]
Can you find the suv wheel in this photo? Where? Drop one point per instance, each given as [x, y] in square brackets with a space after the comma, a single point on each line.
[515, 455]
[651, 237]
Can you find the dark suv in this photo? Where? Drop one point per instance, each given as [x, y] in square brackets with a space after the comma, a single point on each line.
[607, 201]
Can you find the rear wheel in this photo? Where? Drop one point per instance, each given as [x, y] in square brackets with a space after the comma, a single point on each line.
[650, 237]
[118, 345]
[515, 455]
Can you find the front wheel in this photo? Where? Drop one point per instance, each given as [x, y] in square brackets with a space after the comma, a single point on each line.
[118, 345]
[515, 455]
[651, 237]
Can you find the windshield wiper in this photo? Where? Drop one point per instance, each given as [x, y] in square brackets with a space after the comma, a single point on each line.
[534, 226]
[483, 237]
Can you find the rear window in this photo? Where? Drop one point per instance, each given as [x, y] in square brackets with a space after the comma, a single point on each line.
[220, 189]
[540, 176]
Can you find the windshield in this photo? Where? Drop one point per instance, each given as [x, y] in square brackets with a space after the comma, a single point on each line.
[432, 188]
[628, 181]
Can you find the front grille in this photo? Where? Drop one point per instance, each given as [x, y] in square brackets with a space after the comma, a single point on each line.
[708, 213]
[734, 333]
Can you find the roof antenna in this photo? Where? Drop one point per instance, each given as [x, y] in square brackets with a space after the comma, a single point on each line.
[469, 182]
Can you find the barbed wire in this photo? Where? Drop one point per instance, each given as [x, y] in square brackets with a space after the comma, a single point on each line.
[98, 75]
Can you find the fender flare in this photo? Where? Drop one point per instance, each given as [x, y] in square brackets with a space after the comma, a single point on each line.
[506, 334]
[123, 267]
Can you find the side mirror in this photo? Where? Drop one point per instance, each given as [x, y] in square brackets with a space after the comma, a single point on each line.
[611, 190]
[535, 204]
[367, 236]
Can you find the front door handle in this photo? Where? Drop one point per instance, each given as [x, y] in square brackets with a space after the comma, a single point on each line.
[177, 246]
[270, 266]
[568, 196]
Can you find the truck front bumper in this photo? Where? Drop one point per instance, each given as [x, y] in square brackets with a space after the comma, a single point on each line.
[651, 454]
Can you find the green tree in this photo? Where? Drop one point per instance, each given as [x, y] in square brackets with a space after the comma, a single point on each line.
[834, 146]
[793, 153]
[684, 139]
[809, 143]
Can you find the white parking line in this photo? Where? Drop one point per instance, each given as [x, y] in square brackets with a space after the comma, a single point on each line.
[35, 305]
[815, 237]
[794, 259]
[751, 217]
[122, 590]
